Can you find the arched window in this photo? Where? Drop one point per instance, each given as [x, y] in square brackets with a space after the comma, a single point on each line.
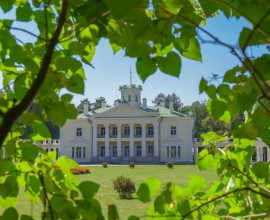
[129, 98]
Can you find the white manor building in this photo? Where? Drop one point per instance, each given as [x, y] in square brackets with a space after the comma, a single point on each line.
[129, 131]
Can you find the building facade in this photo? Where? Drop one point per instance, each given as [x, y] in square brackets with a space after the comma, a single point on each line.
[129, 131]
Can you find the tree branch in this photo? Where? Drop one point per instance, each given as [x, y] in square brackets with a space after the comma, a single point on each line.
[17, 110]
[255, 28]
[223, 196]
[23, 30]
[46, 198]
[242, 14]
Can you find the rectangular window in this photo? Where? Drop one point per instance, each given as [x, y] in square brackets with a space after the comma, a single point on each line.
[102, 151]
[168, 152]
[179, 152]
[127, 130]
[150, 151]
[72, 152]
[126, 151]
[114, 151]
[138, 130]
[114, 131]
[129, 98]
[78, 152]
[56, 153]
[150, 131]
[102, 131]
[173, 151]
[139, 151]
[79, 132]
[173, 130]
[83, 152]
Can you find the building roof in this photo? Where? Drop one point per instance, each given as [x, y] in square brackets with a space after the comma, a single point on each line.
[164, 112]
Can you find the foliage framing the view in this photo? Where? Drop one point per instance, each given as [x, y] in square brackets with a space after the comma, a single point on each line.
[157, 34]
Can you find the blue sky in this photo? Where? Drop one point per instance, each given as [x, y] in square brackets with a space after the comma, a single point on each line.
[110, 71]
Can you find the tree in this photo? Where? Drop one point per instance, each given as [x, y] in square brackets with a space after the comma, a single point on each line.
[98, 102]
[220, 127]
[157, 33]
[80, 107]
[177, 104]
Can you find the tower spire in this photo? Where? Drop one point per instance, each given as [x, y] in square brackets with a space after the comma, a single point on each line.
[130, 76]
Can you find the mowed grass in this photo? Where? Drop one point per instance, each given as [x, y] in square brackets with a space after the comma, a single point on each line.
[106, 196]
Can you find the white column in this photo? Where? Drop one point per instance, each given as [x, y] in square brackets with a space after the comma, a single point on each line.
[261, 153]
[156, 145]
[258, 154]
[94, 140]
[268, 154]
[107, 153]
[190, 142]
[119, 144]
[143, 140]
[131, 141]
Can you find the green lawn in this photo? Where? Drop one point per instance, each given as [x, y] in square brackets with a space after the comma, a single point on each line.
[104, 176]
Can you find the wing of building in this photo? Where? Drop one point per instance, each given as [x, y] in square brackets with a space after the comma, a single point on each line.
[129, 131]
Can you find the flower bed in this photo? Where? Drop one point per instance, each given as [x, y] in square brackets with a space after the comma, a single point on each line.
[76, 171]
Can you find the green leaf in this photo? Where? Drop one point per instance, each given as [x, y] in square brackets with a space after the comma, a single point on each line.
[119, 8]
[217, 107]
[262, 64]
[145, 67]
[223, 90]
[203, 85]
[41, 132]
[196, 183]
[261, 170]
[89, 52]
[76, 84]
[246, 100]
[29, 151]
[257, 38]
[24, 12]
[147, 189]
[172, 6]
[5, 166]
[10, 214]
[66, 98]
[88, 189]
[133, 217]
[171, 64]
[159, 205]
[204, 160]
[71, 111]
[60, 203]
[189, 48]
[17, 54]
[112, 212]
[6, 5]
[66, 164]
[26, 217]
[245, 130]
[52, 155]
[211, 91]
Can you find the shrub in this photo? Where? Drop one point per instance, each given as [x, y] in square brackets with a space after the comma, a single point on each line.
[131, 164]
[170, 164]
[124, 187]
[105, 164]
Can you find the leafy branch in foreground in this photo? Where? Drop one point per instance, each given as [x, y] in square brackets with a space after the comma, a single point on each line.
[157, 33]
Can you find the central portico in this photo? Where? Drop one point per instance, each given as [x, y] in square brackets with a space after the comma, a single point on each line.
[126, 133]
